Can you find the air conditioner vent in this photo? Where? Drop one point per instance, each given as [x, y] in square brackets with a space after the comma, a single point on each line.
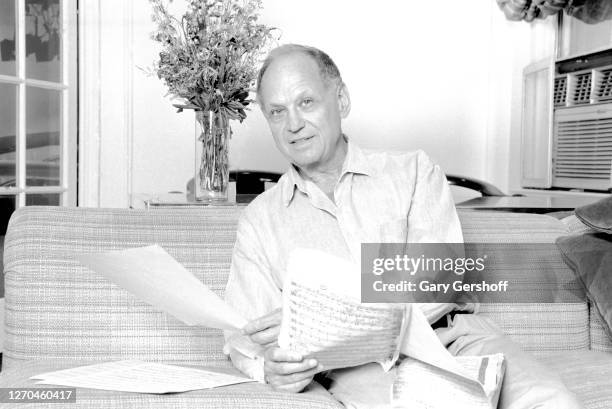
[560, 91]
[581, 91]
[583, 150]
[603, 85]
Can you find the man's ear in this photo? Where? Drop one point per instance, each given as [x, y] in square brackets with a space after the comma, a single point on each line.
[344, 100]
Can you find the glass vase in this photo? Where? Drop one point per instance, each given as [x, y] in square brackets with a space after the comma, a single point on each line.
[212, 158]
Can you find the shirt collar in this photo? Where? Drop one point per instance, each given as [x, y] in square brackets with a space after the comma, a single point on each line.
[355, 162]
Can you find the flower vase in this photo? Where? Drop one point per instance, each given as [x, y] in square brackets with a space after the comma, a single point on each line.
[212, 158]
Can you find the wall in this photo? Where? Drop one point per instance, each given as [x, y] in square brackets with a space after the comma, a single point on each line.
[539, 46]
[446, 80]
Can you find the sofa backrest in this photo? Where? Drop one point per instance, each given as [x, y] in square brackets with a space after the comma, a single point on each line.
[541, 328]
[57, 309]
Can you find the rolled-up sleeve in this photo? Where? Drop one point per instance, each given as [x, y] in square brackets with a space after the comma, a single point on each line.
[251, 288]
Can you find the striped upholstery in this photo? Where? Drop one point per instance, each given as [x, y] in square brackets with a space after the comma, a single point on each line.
[501, 227]
[56, 309]
[587, 374]
[541, 328]
[62, 313]
[600, 340]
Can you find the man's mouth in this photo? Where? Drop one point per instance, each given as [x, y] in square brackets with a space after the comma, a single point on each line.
[301, 140]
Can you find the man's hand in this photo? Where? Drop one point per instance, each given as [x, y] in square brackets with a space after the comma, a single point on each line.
[289, 371]
[284, 370]
[264, 330]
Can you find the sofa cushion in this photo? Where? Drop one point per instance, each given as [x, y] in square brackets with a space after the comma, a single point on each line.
[587, 374]
[503, 227]
[590, 256]
[244, 396]
[58, 309]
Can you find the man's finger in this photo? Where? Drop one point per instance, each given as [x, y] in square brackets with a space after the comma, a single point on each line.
[282, 355]
[271, 345]
[289, 368]
[261, 323]
[267, 336]
[294, 377]
[294, 387]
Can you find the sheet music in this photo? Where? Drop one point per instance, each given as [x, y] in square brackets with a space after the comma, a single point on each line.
[323, 317]
[139, 376]
[339, 333]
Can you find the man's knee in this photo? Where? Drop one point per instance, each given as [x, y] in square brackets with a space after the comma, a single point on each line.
[564, 399]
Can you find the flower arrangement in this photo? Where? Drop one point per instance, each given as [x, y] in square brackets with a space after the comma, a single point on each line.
[209, 57]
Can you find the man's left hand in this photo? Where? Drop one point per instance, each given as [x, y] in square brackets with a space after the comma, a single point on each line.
[264, 330]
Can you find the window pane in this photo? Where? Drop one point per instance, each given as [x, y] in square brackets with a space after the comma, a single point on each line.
[8, 119]
[43, 120]
[7, 37]
[47, 199]
[7, 207]
[43, 28]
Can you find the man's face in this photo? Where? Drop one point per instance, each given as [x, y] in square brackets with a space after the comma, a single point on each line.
[304, 112]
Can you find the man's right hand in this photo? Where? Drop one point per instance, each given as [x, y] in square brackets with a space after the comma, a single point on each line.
[289, 371]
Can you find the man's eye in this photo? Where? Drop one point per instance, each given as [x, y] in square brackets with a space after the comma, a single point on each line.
[275, 112]
[306, 102]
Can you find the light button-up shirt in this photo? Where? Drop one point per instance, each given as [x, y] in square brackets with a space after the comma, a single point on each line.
[379, 197]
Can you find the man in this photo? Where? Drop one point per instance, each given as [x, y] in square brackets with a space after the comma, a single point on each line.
[334, 197]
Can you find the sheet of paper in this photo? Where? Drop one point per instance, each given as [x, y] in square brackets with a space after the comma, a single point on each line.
[158, 279]
[420, 385]
[489, 370]
[323, 318]
[139, 376]
[423, 344]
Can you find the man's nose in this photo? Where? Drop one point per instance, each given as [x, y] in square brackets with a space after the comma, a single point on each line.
[296, 122]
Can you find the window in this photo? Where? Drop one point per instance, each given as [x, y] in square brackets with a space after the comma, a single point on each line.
[38, 106]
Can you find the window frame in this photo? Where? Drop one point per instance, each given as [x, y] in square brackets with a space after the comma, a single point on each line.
[67, 187]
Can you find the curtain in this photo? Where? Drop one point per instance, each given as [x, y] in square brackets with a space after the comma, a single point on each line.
[589, 11]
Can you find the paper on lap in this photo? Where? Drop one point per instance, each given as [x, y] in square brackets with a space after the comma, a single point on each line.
[139, 376]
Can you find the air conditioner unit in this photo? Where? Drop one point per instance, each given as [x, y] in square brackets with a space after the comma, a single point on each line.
[582, 123]
[582, 147]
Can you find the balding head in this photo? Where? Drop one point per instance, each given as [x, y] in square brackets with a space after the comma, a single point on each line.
[304, 100]
[327, 68]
